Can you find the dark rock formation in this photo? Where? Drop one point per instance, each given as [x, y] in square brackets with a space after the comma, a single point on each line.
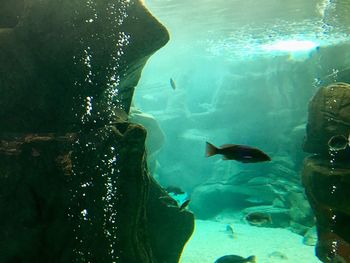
[326, 174]
[160, 226]
[169, 229]
[155, 136]
[326, 186]
[35, 200]
[60, 53]
[329, 115]
[74, 181]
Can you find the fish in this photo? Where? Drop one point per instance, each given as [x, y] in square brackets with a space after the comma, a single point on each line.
[172, 84]
[230, 231]
[184, 205]
[168, 201]
[174, 189]
[237, 152]
[258, 218]
[236, 259]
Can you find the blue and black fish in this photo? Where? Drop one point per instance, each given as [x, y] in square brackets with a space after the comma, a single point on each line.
[236, 259]
[237, 152]
[174, 189]
[184, 205]
[172, 84]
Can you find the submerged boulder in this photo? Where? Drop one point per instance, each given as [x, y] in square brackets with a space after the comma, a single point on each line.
[248, 189]
[329, 115]
[74, 181]
[57, 57]
[326, 175]
[169, 228]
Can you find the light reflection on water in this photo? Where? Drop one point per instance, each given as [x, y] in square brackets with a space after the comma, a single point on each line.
[240, 29]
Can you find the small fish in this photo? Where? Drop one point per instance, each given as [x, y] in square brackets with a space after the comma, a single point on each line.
[168, 201]
[167, 198]
[258, 218]
[172, 84]
[236, 259]
[174, 189]
[240, 153]
[229, 231]
[184, 205]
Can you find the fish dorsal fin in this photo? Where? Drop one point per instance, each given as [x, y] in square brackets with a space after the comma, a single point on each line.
[227, 146]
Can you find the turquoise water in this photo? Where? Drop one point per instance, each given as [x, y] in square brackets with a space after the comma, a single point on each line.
[244, 72]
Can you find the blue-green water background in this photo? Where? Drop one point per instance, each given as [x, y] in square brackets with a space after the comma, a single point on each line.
[230, 88]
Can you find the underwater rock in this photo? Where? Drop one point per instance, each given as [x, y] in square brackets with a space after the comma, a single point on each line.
[334, 61]
[327, 188]
[331, 248]
[326, 184]
[169, 228]
[329, 115]
[250, 188]
[148, 225]
[10, 13]
[52, 61]
[310, 237]
[300, 212]
[34, 186]
[155, 136]
[74, 180]
[283, 171]
[48, 186]
[298, 228]
[325, 176]
[208, 200]
[134, 190]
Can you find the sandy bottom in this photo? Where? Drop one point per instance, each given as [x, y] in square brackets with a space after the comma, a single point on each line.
[211, 240]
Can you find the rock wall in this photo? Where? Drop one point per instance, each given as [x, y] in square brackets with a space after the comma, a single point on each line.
[326, 173]
[74, 181]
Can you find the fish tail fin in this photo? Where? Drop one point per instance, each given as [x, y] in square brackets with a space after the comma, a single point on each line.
[210, 149]
[252, 259]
